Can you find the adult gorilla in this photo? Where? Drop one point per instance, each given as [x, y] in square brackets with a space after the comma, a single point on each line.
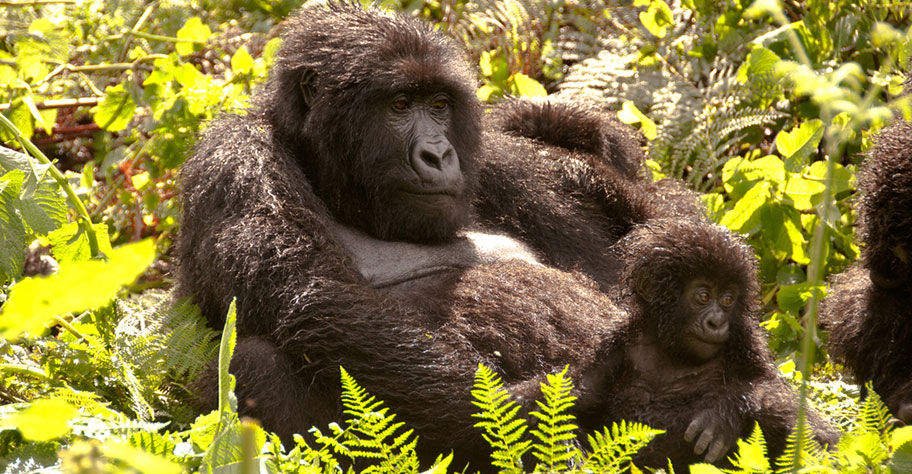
[360, 221]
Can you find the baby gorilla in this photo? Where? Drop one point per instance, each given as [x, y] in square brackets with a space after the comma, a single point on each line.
[690, 359]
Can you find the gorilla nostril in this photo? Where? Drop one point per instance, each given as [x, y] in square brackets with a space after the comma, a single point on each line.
[432, 159]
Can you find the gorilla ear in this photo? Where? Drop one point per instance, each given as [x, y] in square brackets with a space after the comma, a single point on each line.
[308, 91]
[643, 285]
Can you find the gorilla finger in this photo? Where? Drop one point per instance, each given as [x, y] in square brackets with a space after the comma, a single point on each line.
[696, 427]
[716, 450]
[705, 439]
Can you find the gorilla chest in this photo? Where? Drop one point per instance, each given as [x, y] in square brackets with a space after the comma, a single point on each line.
[399, 267]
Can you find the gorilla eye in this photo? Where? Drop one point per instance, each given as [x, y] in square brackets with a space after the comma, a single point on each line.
[440, 104]
[727, 299]
[703, 296]
[400, 104]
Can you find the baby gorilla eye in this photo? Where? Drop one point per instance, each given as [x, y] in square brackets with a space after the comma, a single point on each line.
[727, 299]
[702, 296]
[440, 104]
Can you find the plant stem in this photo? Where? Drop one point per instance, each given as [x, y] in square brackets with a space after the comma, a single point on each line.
[81, 213]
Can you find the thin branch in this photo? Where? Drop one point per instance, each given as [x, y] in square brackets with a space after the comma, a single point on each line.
[32, 3]
[61, 103]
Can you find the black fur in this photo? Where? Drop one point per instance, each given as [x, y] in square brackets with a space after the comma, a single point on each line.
[868, 309]
[263, 193]
[737, 388]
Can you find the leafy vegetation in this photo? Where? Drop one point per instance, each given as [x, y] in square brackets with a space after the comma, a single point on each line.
[766, 107]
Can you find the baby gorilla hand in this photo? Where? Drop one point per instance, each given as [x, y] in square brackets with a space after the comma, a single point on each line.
[710, 434]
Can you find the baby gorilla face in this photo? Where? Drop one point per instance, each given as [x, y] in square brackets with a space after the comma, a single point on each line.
[708, 306]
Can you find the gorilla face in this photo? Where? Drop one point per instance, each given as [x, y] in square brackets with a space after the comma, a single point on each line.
[707, 308]
[425, 185]
[390, 150]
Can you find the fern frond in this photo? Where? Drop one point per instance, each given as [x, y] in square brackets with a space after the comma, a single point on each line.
[502, 430]
[612, 449]
[373, 432]
[101, 428]
[874, 416]
[751, 455]
[809, 456]
[554, 431]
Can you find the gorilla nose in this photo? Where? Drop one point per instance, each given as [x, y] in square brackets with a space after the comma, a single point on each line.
[715, 326]
[434, 159]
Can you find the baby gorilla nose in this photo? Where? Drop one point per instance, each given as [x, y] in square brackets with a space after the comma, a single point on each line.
[435, 160]
[715, 326]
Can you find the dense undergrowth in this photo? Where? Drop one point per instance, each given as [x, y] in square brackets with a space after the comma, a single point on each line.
[766, 107]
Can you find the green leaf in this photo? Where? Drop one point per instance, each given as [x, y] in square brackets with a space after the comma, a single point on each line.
[12, 232]
[901, 437]
[631, 115]
[44, 419]
[802, 191]
[70, 243]
[227, 399]
[77, 286]
[657, 18]
[793, 297]
[19, 114]
[744, 217]
[715, 205]
[798, 144]
[138, 459]
[115, 111]
[524, 85]
[760, 62]
[242, 61]
[841, 181]
[737, 170]
[193, 30]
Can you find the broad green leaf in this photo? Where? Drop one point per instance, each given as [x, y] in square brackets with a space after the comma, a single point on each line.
[715, 205]
[769, 168]
[189, 76]
[193, 30]
[116, 109]
[774, 234]
[526, 86]
[885, 34]
[140, 180]
[486, 92]
[227, 400]
[44, 420]
[76, 287]
[242, 61]
[657, 18]
[12, 232]
[45, 210]
[36, 114]
[901, 436]
[759, 62]
[841, 181]
[70, 243]
[803, 191]
[704, 469]
[798, 144]
[631, 115]
[19, 114]
[793, 297]
[204, 429]
[743, 218]
[792, 227]
[138, 459]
